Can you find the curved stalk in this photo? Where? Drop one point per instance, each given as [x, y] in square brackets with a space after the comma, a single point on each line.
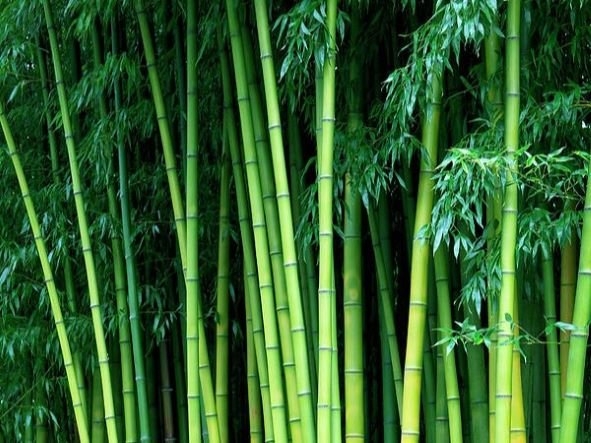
[73, 383]
[93, 290]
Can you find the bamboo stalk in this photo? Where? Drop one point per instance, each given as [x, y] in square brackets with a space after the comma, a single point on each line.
[193, 294]
[290, 262]
[223, 298]
[444, 317]
[326, 291]
[92, 282]
[504, 366]
[277, 402]
[413, 367]
[552, 356]
[132, 284]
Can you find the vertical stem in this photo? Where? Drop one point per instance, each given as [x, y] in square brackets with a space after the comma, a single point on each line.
[326, 290]
[573, 396]
[413, 367]
[222, 297]
[132, 284]
[259, 230]
[568, 279]
[552, 345]
[509, 232]
[298, 330]
[192, 270]
[444, 315]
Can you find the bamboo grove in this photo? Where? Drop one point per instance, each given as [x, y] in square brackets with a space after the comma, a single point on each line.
[295, 221]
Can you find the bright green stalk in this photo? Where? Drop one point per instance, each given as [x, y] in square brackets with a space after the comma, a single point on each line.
[573, 396]
[269, 195]
[248, 248]
[132, 285]
[192, 254]
[413, 367]
[326, 289]
[179, 216]
[164, 129]
[93, 291]
[222, 298]
[252, 375]
[503, 392]
[552, 345]
[73, 383]
[259, 229]
[68, 274]
[298, 330]
[454, 413]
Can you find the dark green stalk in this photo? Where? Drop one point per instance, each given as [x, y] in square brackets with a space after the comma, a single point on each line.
[223, 296]
[166, 389]
[126, 352]
[307, 270]
[132, 284]
[96, 410]
[454, 413]
[552, 345]
[252, 376]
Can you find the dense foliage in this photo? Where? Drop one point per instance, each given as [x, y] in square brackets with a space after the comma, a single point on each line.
[313, 220]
